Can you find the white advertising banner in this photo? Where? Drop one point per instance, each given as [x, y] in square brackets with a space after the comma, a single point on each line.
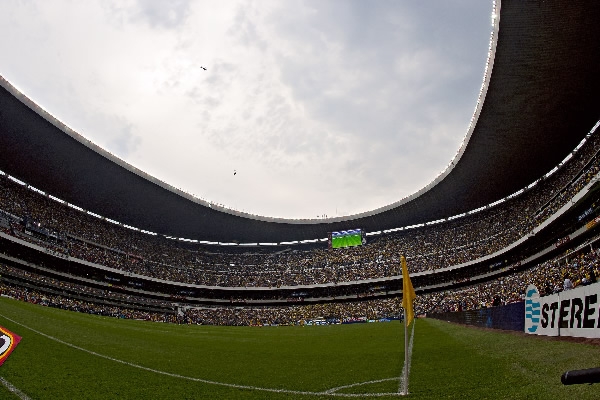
[573, 312]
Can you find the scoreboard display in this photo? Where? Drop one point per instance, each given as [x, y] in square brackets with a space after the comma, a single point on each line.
[349, 238]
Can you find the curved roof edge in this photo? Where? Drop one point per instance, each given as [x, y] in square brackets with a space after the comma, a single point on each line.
[206, 203]
[538, 104]
[472, 123]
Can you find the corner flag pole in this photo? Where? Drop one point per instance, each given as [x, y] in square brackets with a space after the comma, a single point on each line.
[405, 377]
[408, 295]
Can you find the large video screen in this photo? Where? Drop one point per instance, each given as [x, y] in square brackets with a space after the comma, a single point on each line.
[349, 238]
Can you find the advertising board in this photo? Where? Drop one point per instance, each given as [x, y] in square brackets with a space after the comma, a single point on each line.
[572, 312]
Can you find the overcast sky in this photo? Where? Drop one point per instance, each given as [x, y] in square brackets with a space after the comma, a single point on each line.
[305, 109]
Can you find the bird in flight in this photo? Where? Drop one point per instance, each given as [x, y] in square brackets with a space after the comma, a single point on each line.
[204, 68]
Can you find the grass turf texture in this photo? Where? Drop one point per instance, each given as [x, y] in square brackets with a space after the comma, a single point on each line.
[449, 361]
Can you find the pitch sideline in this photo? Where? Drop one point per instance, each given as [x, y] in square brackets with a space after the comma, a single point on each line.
[329, 392]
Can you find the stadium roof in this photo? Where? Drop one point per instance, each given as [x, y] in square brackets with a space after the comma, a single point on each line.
[539, 100]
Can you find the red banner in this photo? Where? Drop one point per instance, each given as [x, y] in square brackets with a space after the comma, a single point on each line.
[8, 342]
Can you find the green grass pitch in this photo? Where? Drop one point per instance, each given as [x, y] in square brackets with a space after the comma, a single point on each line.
[68, 355]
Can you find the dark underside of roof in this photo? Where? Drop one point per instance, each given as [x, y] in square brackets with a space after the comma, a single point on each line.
[542, 100]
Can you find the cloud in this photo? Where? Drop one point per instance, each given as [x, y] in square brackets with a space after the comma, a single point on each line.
[120, 136]
[318, 105]
[156, 13]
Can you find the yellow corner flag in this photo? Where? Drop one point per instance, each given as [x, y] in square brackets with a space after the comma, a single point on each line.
[408, 294]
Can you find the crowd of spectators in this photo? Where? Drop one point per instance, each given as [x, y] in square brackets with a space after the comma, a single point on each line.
[430, 247]
[548, 276]
[68, 231]
[67, 288]
[85, 306]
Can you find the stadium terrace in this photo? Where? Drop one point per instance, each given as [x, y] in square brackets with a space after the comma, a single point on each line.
[517, 204]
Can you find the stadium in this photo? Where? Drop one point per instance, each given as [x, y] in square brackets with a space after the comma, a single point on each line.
[518, 206]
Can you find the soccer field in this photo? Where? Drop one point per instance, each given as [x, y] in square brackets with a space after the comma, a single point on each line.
[68, 355]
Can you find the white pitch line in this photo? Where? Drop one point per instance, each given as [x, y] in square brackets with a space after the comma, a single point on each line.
[333, 390]
[14, 390]
[230, 385]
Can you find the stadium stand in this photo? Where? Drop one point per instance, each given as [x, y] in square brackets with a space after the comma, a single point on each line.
[119, 255]
[527, 215]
